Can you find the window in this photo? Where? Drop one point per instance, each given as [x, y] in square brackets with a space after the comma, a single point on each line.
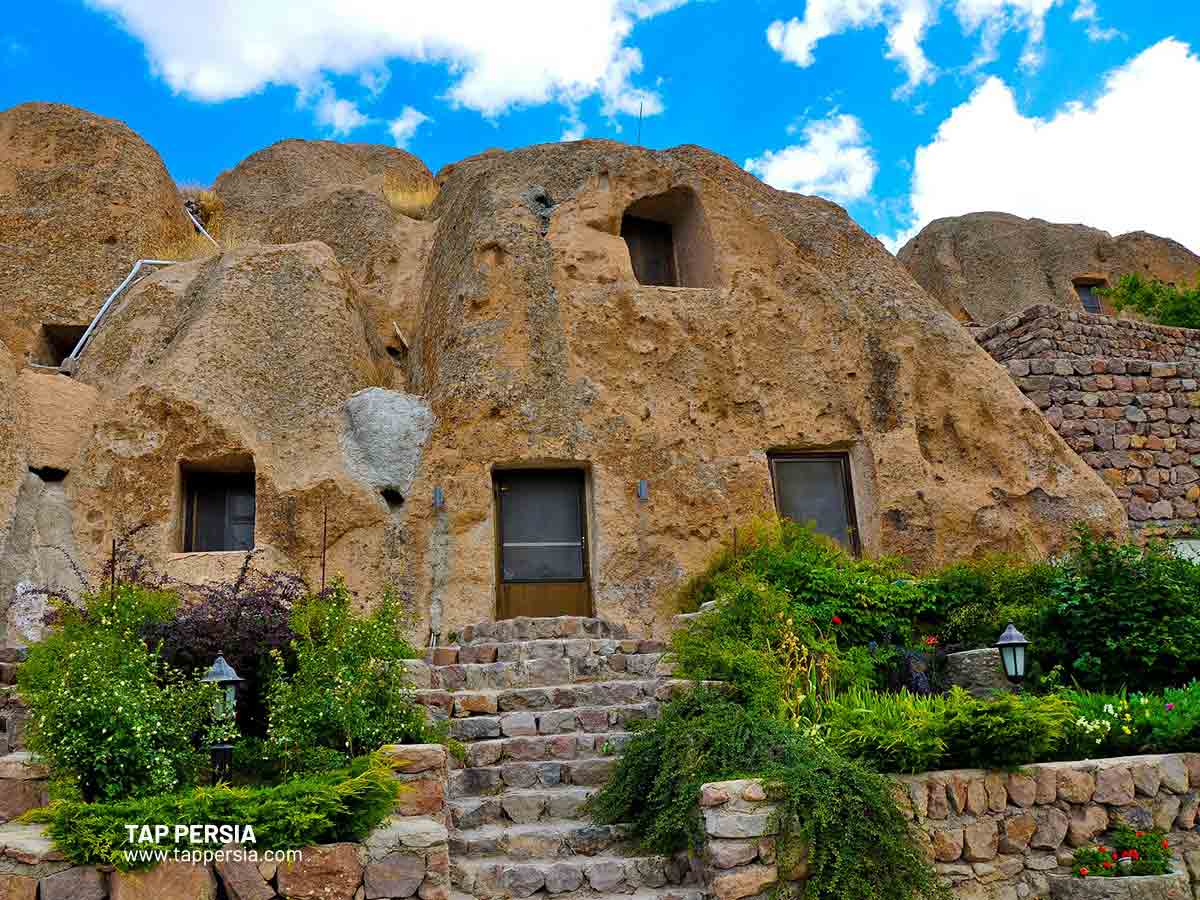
[218, 511]
[1088, 296]
[817, 489]
[668, 240]
[57, 342]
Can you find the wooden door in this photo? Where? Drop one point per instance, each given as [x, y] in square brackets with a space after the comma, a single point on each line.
[542, 552]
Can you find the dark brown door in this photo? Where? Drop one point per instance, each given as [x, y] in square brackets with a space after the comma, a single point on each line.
[542, 544]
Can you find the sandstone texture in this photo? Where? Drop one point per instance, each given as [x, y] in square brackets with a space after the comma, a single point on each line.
[988, 265]
[358, 361]
[338, 193]
[81, 199]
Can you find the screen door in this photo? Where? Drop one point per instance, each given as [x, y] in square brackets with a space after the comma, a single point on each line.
[542, 543]
[816, 490]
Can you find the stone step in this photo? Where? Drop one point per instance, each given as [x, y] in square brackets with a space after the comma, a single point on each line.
[490, 876]
[558, 670]
[532, 629]
[520, 806]
[519, 651]
[480, 781]
[547, 839]
[571, 745]
[593, 719]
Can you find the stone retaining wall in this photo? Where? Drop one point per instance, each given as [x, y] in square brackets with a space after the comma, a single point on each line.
[406, 856]
[1048, 332]
[1124, 395]
[991, 835]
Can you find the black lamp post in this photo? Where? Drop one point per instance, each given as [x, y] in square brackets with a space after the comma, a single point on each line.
[1012, 646]
[223, 676]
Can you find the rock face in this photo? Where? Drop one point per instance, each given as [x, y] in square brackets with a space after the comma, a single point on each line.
[81, 198]
[533, 345]
[537, 344]
[338, 193]
[988, 265]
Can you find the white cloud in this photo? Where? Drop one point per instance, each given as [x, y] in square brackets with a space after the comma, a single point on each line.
[500, 55]
[1101, 163]
[405, 126]
[1086, 11]
[906, 23]
[375, 81]
[339, 115]
[833, 161]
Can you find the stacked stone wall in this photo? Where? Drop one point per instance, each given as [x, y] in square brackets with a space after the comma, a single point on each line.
[406, 856]
[991, 835]
[1124, 395]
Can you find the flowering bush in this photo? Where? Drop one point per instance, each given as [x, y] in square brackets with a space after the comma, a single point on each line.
[105, 710]
[1132, 853]
[348, 692]
[1120, 724]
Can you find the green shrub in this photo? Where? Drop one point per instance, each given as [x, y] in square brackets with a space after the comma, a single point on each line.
[908, 733]
[1158, 301]
[1121, 610]
[334, 806]
[1004, 731]
[349, 691]
[859, 843]
[105, 711]
[978, 598]
[899, 732]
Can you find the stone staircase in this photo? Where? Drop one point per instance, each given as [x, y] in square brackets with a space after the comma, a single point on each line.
[543, 705]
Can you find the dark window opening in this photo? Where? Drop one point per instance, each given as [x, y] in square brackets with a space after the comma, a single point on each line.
[57, 342]
[49, 473]
[668, 240]
[651, 250]
[219, 510]
[817, 489]
[1088, 296]
[392, 498]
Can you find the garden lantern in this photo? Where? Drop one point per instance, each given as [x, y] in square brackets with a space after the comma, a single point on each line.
[223, 676]
[1012, 646]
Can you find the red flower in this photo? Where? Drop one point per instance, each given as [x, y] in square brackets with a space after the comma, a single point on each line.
[931, 641]
[1108, 865]
[1083, 870]
[837, 620]
[1166, 844]
[1135, 854]
[1139, 834]
[1114, 855]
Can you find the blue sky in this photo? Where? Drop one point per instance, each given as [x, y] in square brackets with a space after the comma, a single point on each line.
[901, 110]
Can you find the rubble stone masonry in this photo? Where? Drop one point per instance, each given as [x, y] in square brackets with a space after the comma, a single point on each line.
[1125, 395]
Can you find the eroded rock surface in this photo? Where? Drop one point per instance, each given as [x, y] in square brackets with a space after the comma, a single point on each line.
[988, 265]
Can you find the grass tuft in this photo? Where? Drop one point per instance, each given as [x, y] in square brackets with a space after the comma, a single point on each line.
[408, 199]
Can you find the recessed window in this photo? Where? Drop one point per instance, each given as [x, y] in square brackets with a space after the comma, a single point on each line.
[817, 489]
[668, 240]
[218, 510]
[56, 343]
[1088, 296]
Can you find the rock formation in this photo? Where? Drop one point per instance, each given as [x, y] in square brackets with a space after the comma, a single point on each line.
[275, 369]
[988, 265]
[81, 199]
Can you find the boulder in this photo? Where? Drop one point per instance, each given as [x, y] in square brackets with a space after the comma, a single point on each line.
[77, 883]
[82, 198]
[985, 266]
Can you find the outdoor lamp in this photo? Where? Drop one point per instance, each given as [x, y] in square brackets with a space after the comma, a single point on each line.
[223, 676]
[1012, 646]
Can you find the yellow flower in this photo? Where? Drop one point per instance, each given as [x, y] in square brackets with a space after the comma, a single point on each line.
[1125, 728]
